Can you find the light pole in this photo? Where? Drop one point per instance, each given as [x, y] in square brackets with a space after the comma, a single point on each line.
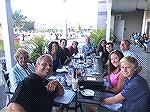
[66, 29]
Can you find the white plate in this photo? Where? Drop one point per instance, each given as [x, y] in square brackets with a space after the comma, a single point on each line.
[87, 92]
[95, 73]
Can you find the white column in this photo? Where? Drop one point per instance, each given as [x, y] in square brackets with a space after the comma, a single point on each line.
[108, 22]
[144, 23]
[7, 33]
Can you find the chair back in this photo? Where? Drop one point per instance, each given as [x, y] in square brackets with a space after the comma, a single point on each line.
[7, 85]
[6, 77]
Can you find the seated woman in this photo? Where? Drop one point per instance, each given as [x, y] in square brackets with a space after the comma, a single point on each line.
[53, 49]
[115, 76]
[21, 70]
[135, 95]
[101, 50]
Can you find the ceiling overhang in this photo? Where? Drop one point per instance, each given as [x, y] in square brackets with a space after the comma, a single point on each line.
[130, 5]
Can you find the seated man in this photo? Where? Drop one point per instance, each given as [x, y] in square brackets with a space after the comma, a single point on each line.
[125, 48]
[88, 47]
[35, 93]
[137, 39]
[64, 51]
[73, 48]
[109, 47]
[135, 95]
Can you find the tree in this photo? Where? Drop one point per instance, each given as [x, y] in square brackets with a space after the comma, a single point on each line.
[20, 22]
[28, 26]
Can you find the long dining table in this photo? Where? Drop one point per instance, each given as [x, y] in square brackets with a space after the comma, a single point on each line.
[88, 80]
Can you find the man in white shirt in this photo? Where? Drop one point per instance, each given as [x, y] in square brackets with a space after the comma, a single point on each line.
[125, 48]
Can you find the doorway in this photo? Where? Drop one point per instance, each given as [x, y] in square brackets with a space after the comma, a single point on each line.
[119, 29]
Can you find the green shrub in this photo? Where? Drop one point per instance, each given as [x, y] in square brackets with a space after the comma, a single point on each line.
[35, 47]
[98, 35]
[39, 44]
[16, 44]
[1, 45]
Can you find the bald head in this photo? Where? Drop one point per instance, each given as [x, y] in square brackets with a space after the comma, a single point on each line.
[44, 65]
[44, 56]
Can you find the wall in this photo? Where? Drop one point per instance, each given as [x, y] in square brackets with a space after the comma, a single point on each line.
[148, 14]
[102, 14]
[133, 21]
[148, 22]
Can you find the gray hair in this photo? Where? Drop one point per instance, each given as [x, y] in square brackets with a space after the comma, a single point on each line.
[19, 52]
[126, 41]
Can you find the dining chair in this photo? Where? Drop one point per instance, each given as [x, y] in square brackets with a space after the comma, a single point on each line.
[7, 85]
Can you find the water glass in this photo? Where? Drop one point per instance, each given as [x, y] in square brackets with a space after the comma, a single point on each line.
[75, 84]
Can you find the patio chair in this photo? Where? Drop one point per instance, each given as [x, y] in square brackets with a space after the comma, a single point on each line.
[7, 86]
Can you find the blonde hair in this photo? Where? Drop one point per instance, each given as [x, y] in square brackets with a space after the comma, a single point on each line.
[19, 52]
[43, 56]
[133, 62]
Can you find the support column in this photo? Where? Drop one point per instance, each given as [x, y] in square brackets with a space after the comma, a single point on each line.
[144, 23]
[108, 22]
[7, 33]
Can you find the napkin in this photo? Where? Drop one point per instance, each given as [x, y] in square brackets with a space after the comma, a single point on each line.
[66, 98]
[113, 107]
[63, 69]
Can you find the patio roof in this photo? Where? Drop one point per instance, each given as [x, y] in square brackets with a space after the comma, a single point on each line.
[130, 5]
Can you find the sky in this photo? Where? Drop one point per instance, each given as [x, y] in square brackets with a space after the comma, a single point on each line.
[83, 12]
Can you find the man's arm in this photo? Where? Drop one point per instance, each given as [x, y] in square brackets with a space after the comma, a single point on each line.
[14, 107]
[60, 89]
[113, 100]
